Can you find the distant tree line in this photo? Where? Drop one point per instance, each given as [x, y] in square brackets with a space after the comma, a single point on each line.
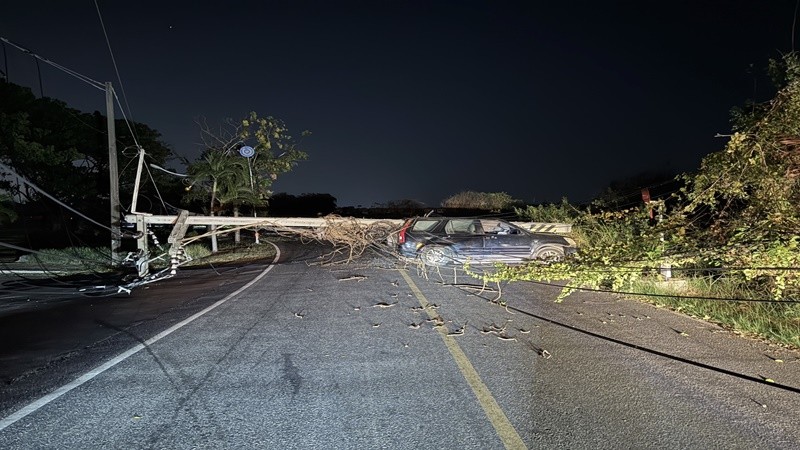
[303, 205]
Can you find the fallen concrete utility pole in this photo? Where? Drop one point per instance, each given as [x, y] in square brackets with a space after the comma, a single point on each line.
[289, 222]
[183, 221]
[311, 222]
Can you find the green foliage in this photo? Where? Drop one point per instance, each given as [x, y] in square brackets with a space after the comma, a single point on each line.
[221, 176]
[763, 265]
[489, 201]
[742, 208]
[276, 150]
[753, 184]
[615, 249]
[563, 212]
[227, 178]
[65, 151]
[740, 212]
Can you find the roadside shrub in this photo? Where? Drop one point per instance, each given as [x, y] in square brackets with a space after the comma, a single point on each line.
[562, 212]
[615, 249]
[489, 201]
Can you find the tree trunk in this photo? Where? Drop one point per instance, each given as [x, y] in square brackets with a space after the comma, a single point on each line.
[214, 246]
[237, 235]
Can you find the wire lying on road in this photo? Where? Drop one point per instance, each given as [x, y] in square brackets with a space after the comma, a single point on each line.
[759, 380]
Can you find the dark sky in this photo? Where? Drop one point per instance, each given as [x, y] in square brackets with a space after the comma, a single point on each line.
[423, 99]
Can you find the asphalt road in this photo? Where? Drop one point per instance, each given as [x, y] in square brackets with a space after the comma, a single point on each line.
[298, 355]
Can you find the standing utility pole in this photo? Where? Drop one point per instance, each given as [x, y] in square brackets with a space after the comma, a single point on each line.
[113, 176]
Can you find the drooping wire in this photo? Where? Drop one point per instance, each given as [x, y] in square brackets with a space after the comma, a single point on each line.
[132, 129]
[150, 174]
[680, 297]
[41, 191]
[41, 87]
[5, 61]
[116, 70]
[94, 83]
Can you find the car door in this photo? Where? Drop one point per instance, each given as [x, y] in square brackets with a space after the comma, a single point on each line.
[505, 241]
[466, 236]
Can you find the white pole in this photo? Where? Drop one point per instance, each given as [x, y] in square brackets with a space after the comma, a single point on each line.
[138, 180]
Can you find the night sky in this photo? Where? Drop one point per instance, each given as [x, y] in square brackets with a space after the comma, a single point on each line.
[418, 99]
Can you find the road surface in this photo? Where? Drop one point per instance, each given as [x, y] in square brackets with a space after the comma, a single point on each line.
[375, 354]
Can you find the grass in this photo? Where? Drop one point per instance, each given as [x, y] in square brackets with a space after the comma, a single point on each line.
[88, 259]
[74, 259]
[777, 322]
[229, 253]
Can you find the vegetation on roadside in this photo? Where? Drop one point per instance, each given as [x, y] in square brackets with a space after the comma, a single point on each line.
[72, 259]
[731, 233]
[489, 201]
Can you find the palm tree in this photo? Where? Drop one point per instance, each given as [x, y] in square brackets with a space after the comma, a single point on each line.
[237, 195]
[219, 174]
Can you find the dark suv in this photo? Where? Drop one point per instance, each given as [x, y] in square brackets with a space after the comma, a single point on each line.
[443, 240]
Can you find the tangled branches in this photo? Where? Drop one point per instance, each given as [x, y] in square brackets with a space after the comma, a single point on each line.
[349, 237]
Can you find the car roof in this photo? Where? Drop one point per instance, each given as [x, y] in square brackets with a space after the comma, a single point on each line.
[458, 217]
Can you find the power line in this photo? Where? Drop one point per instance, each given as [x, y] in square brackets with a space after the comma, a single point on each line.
[658, 353]
[94, 83]
[116, 70]
[41, 191]
[680, 297]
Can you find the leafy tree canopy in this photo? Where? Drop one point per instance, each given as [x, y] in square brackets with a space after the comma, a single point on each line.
[65, 151]
[749, 191]
[228, 177]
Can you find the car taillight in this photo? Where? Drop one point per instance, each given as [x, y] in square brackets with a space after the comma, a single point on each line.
[401, 236]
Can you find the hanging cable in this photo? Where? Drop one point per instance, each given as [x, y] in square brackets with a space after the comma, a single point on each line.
[5, 61]
[116, 69]
[675, 296]
[41, 87]
[150, 174]
[94, 83]
[37, 189]
[127, 122]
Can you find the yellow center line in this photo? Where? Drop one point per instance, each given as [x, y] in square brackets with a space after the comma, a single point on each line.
[507, 433]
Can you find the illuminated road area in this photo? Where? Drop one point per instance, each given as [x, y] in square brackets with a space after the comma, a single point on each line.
[371, 356]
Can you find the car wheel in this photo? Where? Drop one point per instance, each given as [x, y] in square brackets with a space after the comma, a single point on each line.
[436, 255]
[548, 253]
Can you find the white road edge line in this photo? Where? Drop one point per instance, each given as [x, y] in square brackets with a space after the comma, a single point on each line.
[37, 404]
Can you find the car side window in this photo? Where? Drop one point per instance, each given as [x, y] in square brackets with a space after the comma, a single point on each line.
[498, 227]
[462, 226]
[424, 225]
